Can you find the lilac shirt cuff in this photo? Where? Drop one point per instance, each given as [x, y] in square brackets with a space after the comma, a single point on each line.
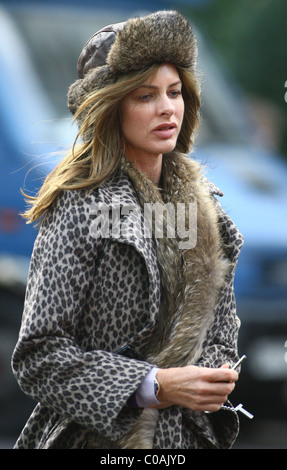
[144, 396]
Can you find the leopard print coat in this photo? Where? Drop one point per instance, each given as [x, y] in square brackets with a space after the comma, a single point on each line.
[92, 316]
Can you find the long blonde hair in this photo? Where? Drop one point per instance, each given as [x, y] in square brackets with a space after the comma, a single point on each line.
[97, 158]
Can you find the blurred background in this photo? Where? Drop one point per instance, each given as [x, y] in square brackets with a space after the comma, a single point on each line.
[242, 140]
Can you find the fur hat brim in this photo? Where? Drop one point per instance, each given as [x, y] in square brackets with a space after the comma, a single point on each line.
[162, 37]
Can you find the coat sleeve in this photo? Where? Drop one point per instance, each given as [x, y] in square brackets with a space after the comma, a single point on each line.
[221, 343]
[52, 365]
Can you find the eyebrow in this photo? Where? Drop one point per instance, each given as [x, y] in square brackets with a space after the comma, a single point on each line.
[155, 87]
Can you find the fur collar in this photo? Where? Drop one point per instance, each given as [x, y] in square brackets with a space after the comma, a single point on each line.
[191, 279]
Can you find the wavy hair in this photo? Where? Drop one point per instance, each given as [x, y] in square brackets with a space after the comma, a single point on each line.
[98, 156]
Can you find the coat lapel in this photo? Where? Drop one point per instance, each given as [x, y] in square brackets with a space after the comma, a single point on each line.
[119, 217]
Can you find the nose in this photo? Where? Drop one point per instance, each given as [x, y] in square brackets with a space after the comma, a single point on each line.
[166, 106]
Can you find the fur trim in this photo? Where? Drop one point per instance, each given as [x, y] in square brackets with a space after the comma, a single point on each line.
[80, 90]
[141, 436]
[164, 36]
[190, 279]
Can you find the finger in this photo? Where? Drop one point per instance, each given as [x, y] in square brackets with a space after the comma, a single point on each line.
[221, 389]
[223, 374]
[208, 404]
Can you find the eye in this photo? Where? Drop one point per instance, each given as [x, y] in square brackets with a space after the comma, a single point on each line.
[146, 97]
[175, 93]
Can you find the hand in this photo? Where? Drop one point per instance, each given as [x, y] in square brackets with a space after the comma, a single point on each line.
[198, 388]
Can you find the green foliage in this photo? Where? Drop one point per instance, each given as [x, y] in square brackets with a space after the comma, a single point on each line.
[252, 37]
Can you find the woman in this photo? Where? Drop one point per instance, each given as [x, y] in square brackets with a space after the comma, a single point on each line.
[128, 330]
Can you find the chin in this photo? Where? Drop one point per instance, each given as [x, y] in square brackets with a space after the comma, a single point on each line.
[167, 147]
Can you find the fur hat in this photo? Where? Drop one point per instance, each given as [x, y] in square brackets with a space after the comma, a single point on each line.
[161, 37]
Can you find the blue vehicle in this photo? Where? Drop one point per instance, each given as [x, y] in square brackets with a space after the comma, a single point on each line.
[39, 47]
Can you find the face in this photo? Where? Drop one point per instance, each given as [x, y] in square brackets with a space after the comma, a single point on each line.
[151, 115]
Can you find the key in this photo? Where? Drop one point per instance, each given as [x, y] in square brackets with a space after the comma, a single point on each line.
[242, 410]
[239, 409]
[238, 362]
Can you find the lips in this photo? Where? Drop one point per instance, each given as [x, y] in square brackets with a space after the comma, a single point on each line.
[165, 126]
[165, 130]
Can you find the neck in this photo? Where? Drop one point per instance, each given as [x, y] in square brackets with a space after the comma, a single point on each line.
[151, 167]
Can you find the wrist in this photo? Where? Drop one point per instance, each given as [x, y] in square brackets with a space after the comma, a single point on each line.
[159, 385]
[156, 388]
